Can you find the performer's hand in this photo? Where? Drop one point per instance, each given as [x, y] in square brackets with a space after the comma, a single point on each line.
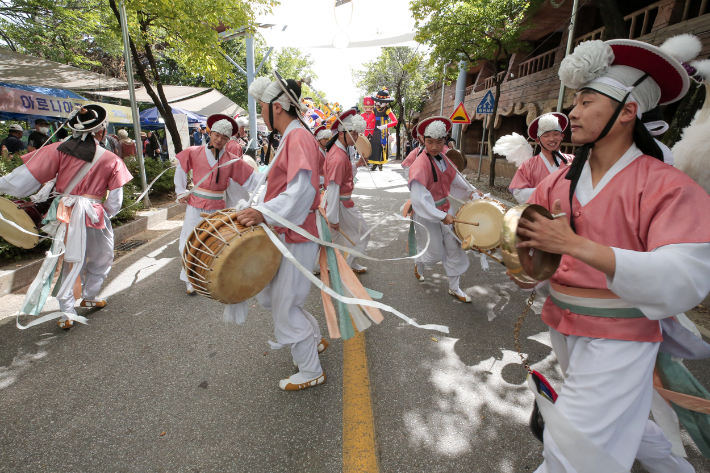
[250, 217]
[552, 236]
[335, 226]
[448, 220]
[183, 200]
[521, 285]
[361, 162]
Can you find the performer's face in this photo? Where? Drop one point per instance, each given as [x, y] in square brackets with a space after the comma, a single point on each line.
[551, 140]
[242, 132]
[592, 111]
[351, 138]
[433, 146]
[218, 140]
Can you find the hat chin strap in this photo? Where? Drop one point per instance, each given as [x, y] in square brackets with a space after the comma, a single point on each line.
[582, 154]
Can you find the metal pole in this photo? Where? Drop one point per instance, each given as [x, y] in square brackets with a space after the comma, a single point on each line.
[134, 106]
[483, 140]
[570, 40]
[441, 110]
[253, 133]
[459, 98]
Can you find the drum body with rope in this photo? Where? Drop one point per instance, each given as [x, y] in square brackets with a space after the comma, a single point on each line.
[228, 262]
[528, 265]
[488, 214]
[27, 215]
[363, 146]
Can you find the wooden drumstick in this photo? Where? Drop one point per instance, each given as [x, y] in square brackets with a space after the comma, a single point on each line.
[465, 222]
[347, 237]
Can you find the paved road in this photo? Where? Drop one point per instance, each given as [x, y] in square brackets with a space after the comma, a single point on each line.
[158, 382]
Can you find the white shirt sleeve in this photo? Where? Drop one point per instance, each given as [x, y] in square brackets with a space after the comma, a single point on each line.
[522, 195]
[664, 282]
[295, 202]
[355, 167]
[19, 183]
[180, 180]
[112, 204]
[423, 203]
[332, 196]
[460, 189]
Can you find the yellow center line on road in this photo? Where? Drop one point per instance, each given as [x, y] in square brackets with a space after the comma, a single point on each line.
[359, 452]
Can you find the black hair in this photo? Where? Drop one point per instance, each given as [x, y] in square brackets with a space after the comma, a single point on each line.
[331, 141]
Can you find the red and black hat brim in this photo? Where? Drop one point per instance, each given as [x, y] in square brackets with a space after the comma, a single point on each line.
[94, 116]
[212, 119]
[561, 117]
[666, 71]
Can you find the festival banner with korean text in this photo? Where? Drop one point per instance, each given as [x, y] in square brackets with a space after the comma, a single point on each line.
[33, 103]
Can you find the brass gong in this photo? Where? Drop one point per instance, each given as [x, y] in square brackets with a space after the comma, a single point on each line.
[528, 265]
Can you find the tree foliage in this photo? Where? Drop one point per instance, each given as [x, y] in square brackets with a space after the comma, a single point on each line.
[474, 30]
[405, 73]
[66, 31]
[184, 32]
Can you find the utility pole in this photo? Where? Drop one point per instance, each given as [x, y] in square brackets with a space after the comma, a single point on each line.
[457, 129]
[134, 106]
[570, 40]
[252, 103]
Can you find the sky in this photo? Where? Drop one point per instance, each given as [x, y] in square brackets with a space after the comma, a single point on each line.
[315, 29]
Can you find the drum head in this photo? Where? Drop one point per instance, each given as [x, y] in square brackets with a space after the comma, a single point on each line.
[244, 267]
[363, 146]
[526, 264]
[10, 211]
[457, 158]
[489, 218]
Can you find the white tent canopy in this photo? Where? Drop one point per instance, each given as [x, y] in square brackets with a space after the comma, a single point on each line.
[19, 68]
[172, 93]
[210, 103]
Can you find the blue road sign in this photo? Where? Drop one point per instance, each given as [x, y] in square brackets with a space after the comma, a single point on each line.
[486, 105]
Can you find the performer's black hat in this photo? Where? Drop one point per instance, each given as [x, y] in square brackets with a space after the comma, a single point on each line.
[90, 118]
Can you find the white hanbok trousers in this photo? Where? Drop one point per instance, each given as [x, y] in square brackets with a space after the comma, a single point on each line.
[97, 264]
[192, 218]
[443, 247]
[284, 296]
[607, 396]
[354, 225]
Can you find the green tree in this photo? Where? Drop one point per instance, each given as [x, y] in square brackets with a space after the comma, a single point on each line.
[184, 32]
[474, 30]
[66, 31]
[405, 73]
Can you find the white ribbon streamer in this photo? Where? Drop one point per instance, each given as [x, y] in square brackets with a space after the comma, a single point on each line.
[347, 300]
[286, 224]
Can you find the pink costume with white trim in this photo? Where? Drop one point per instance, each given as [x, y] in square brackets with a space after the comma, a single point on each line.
[430, 204]
[235, 181]
[108, 175]
[531, 173]
[340, 207]
[648, 213]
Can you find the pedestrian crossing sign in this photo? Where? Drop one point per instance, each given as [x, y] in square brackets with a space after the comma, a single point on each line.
[460, 115]
[486, 105]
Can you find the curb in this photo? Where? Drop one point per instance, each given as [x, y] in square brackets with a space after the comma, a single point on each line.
[11, 281]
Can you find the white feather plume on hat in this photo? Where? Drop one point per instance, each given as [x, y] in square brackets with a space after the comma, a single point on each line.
[324, 134]
[223, 127]
[435, 130]
[515, 148]
[359, 124]
[703, 68]
[243, 122]
[684, 47]
[257, 88]
[588, 61]
[548, 122]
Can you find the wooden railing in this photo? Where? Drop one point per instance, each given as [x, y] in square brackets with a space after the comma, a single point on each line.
[634, 19]
[538, 63]
[686, 9]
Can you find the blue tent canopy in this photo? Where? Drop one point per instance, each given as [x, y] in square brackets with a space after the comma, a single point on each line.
[150, 119]
[63, 93]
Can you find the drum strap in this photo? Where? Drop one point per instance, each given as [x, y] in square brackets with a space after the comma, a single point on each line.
[84, 170]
